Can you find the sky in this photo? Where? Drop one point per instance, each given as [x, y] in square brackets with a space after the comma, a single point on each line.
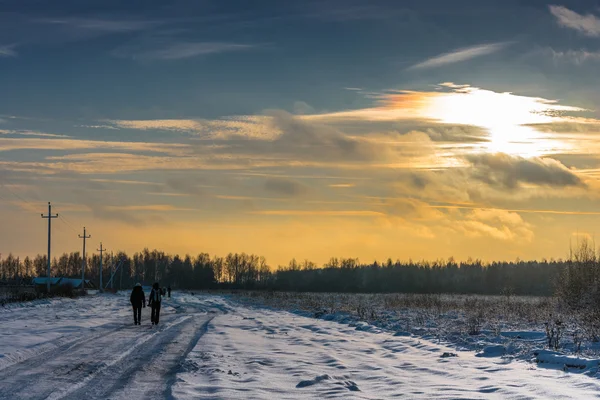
[315, 129]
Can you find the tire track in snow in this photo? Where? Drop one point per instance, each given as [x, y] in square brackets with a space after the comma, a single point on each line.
[177, 368]
[47, 350]
[63, 394]
[128, 362]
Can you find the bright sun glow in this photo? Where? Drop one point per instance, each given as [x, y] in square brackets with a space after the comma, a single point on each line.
[505, 116]
[509, 120]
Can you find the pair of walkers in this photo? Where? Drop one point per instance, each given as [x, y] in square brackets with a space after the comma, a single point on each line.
[138, 300]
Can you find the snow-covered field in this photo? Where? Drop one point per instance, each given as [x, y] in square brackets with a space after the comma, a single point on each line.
[217, 347]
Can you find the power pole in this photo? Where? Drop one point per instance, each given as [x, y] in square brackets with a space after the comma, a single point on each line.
[101, 250]
[112, 268]
[84, 260]
[49, 217]
[121, 278]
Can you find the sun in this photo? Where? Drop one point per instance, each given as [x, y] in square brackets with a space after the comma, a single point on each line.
[509, 119]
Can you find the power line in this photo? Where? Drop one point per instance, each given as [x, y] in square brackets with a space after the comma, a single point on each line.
[10, 191]
[67, 222]
[68, 225]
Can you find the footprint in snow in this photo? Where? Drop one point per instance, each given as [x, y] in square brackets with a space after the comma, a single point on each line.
[447, 354]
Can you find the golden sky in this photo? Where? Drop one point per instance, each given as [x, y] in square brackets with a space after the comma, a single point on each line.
[454, 170]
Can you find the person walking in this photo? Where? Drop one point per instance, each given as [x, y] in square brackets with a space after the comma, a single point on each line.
[154, 301]
[169, 290]
[138, 300]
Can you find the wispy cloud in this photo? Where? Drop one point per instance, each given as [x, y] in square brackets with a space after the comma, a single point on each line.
[102, 25]
[149, 207]
[30, 133]
[177, 50]
[285, 187]
[319, 213]
[577, 57]
[588, 24]
[342, 185]
[96, 126]
[248, 126]
[8, 50]
[44, 143]
[460, 55]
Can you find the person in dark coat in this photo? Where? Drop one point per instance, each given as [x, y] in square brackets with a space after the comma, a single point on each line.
[154, 301]
[169, 290]
[138, 300]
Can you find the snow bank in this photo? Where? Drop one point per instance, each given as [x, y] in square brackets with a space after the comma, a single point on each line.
[565, 361]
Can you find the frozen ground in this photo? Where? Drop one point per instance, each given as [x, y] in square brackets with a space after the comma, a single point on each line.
[213, 347]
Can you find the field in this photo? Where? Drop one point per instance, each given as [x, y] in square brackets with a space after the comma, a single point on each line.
[257, 345]
[507, 326]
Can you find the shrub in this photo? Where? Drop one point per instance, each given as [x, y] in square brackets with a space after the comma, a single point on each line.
[554, 332]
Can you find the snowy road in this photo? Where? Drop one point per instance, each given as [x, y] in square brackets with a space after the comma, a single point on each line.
[112, 359]
[213, 348]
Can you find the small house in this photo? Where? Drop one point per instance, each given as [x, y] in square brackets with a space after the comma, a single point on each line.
[41, 282]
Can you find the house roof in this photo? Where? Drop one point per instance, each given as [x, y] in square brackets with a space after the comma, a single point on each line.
[43, 280]
[62, 281]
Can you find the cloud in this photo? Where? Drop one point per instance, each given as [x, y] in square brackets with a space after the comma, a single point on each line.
[460, 55]
[455, 104]
[242, 126]
[577, 57]
[8, 144]
[342, 185]
[285, 187]
[510, 171]
[102, 25]
[315, 141]
[97, 127]
[29, 133]
[497, 224]
[171, 50]
[321, 213]
[588, 24]
[178, 125]
[8, 51]
[149, 207]
[187, 186]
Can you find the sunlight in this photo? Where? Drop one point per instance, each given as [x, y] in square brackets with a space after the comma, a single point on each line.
[505, 116]
[508, 119]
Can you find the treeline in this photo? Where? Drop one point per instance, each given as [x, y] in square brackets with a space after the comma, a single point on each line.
[248, 271]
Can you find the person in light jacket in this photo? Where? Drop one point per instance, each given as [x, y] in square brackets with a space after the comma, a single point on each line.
[154, 301]
[138, 300]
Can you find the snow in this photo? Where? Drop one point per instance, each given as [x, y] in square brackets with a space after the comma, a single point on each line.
[552, 357]
[258, 353]
[215, 347]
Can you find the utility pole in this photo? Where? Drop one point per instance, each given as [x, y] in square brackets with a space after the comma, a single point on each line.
[121, 278]
[101, 250]
[112, 268]
[49, 217]
[84, 260]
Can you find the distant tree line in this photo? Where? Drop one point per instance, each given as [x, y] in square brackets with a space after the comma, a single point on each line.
[248, 271]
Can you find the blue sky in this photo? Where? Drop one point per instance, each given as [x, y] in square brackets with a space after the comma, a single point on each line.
[207, 101]
[208, 59]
